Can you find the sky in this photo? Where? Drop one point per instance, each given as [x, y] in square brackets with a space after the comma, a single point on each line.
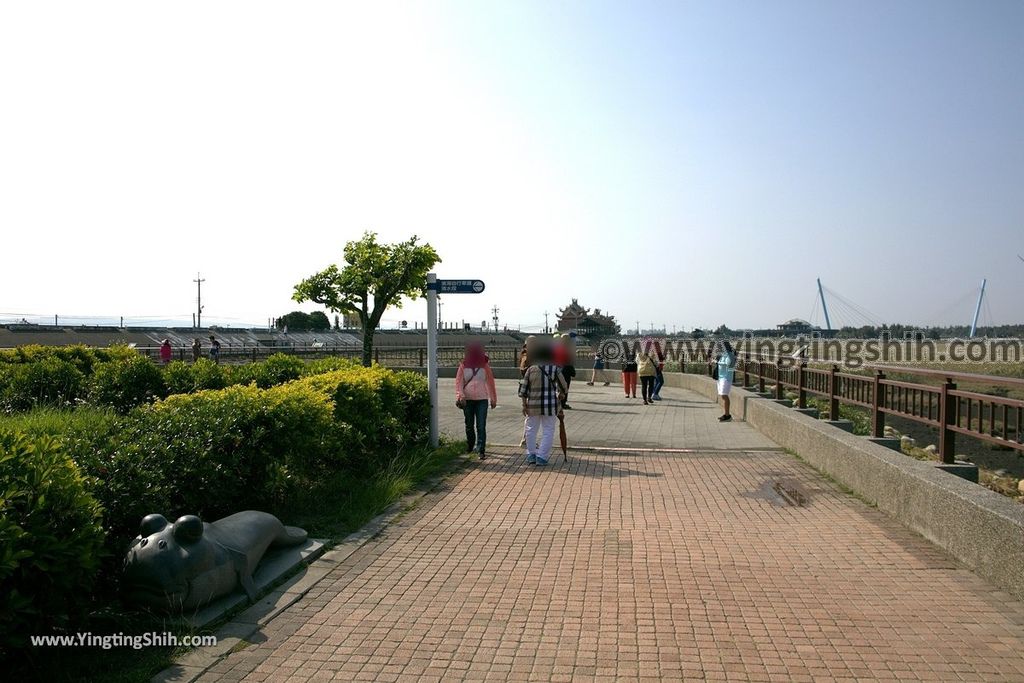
[686, 164]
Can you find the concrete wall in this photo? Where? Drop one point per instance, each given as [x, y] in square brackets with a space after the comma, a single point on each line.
[978, 527]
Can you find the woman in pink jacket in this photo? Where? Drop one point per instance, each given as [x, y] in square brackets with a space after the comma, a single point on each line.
[474, 389]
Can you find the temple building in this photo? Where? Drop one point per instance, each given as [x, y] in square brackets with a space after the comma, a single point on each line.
[585, 322]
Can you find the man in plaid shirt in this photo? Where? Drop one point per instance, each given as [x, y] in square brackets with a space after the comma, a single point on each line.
[543, 391]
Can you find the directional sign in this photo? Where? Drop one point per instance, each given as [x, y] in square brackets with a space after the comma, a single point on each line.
[460, 286]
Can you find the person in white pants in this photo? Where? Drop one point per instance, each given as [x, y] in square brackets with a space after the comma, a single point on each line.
[545, 425]
[543, 391]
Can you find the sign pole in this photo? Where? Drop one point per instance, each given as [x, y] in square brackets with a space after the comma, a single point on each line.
[432, 354]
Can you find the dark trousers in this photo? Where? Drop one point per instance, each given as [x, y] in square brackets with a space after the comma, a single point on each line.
[647, 386]
[568, 372]
[476, 424]
[659, 382]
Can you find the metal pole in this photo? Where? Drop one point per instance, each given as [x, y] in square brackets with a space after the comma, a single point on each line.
[432, 354]
[199, 299]
[824, 307]
[977, 310]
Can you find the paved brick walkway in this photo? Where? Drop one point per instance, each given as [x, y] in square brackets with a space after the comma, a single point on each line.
[603, 417]
[641, 566]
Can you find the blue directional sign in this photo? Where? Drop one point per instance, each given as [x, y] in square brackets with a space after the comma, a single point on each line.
[460, 286]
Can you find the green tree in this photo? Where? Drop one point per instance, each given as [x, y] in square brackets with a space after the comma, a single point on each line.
[296, 321]
[375, 276]
[319, 322]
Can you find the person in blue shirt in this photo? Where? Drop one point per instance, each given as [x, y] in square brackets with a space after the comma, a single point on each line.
[726, 368]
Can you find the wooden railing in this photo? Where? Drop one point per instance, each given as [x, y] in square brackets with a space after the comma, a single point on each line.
[944, 406]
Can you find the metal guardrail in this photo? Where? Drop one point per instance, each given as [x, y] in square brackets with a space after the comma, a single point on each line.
[987, 417]
[402, 357]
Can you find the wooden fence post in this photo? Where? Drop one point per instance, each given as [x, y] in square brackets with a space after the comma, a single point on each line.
[948, 410]
[778, 380]
[801, 384]
[833, 393]
[877, 401]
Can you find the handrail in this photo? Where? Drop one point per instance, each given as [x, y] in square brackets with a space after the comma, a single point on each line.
[985, 417]
[946, 374]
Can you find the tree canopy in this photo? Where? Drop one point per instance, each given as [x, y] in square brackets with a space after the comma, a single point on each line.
[299, 321]
[374, 277]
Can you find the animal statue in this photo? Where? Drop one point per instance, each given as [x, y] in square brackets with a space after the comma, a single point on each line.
[189, 563]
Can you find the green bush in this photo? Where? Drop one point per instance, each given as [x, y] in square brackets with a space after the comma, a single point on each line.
[412, 393]
[81, 356]
[386, 409]
[178, 378]
[126, 382]
[49, 381]
[85, 433]
[182, 378]
[329, 364]
[216, 452]
[277, 369]
[50, 538]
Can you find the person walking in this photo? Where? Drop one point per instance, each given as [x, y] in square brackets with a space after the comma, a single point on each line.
[197, 349]
[214, 349]
[525, 361]
[474, 390]
[598, 368]
[629, 368]
[647, 364]
[565, 359]
[165, 351]
[543, 392]
[659, 368]
[726, 368]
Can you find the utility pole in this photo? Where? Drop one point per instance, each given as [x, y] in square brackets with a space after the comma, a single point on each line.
[199, 299]
[547, 330]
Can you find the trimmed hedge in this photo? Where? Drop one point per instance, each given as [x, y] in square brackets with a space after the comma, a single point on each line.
[211, 453]
[182, 378]
[216, 452]
[277, 369]
[386, 409]
[125, 383]
[50, 538]
[62, 376]
[49, 381]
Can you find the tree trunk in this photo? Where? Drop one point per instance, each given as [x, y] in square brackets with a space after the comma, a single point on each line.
[367, 346]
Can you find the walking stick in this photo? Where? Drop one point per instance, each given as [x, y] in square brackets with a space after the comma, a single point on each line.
[561, 436]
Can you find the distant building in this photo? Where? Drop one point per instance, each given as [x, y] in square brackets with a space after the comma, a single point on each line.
[587, 323]
[796, 327]
[351, 321]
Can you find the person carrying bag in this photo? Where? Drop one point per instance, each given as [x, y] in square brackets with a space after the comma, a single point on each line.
[474, 391]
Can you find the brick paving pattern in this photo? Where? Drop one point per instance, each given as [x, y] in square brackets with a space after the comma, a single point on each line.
[641, 566]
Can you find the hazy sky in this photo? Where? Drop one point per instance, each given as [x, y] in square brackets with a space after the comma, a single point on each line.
[686, 163]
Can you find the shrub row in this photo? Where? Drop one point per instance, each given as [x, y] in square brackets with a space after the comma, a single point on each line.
[211, 453]
[50, 538]
[33, 376]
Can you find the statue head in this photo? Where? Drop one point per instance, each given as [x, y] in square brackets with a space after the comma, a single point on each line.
[164, 560]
